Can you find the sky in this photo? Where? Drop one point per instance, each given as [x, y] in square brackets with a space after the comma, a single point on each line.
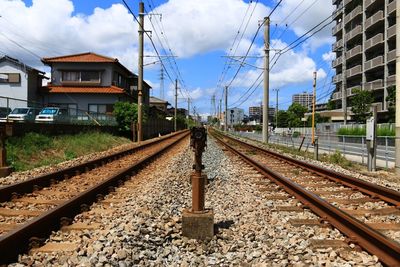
[201, 42]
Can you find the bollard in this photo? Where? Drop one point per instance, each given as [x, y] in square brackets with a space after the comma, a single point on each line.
[198, 222]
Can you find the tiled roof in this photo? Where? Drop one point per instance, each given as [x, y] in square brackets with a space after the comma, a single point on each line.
[84, 90]
[84, 57]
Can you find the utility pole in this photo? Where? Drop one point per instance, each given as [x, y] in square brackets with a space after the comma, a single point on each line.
[266, 81]
[188, 113]
[344, 84]
[313, 108]
[140, 71]
[176, 103]
[162, 82]
[276, 108]
[220, 112]
[397, 142]
[226, 109]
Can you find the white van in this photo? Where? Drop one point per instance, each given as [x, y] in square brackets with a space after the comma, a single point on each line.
[23, 114]
[52, 114]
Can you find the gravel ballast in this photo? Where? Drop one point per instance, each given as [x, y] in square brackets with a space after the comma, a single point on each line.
[144, 229]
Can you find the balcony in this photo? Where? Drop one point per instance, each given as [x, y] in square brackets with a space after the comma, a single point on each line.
[346, 2]
[337, 62]
[337, 96]
[356, 70]
[353, 14]
[338, 11]
[337, 28]
[351, 91]
[337, 45]
[391, 80]
[357, 50]
[374, 41]
[373, 63]
[353, 33]
[391, 8]
[391, 32]
[337, 78]
[374, 85]
[378, 16]
[391, 56]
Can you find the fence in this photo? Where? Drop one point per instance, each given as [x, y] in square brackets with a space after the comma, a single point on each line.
[353, 146]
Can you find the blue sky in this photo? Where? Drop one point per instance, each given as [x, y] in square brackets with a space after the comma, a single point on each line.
[199, 32]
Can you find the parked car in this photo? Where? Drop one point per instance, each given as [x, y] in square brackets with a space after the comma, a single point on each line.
[23, 114]
[3, 113]
[52, 114]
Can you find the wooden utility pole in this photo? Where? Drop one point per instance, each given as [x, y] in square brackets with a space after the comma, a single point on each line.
[313, 108]
[176, 103]
[140, 72]
[397, 142]
[266, 81]
[226, 109]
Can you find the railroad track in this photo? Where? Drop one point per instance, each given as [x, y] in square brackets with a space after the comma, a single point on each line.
[366, 213]
[31, 209]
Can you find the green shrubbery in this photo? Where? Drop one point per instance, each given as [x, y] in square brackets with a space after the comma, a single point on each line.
[35, 150]
[361, 131]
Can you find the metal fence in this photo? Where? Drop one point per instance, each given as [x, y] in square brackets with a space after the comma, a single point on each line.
[74, 115]
[353, 146]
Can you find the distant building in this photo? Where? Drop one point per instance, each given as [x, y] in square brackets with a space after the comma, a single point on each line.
[304, 99]
[159, 103]
[255, 113]
[19, 81]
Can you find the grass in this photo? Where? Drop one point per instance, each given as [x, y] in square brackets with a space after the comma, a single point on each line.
[36, 150]
[361, 131]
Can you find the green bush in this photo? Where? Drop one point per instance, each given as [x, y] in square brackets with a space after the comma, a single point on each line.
[296, 134]
[361, 131]
[338, 158]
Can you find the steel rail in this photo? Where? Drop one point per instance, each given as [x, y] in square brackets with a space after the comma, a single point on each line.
[388, 195]
[17, 240]
[28, 186]
[387, 250]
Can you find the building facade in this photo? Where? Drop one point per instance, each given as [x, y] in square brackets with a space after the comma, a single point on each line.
[305, 99]
[365, 47]
[19, 84]
[90, 82]
[255, 113]
[235, 116]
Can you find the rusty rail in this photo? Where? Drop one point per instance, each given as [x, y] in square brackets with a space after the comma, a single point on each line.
[387, 250]
[388, 195]
[7, 192]
[17, 240]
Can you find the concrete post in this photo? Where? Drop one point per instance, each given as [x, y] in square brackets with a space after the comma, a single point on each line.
[266, 81]
[397, 144]
[140, 72]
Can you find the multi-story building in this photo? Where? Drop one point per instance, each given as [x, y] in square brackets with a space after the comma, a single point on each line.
[304, 99]
[235, 116]
[256, 112]
[365, 48]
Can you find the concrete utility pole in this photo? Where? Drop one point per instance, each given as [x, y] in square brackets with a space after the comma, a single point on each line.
[226, 109]
[140, 72]
[162, 82]
[266, 81]
[344, 84]
[397, 144]
[220, 112]
[313, 108]
[188, 113]
[176, 103]
[276, 108]
[371, 139]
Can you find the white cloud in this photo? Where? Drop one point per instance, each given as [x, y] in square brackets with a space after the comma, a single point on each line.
[329, 56]
[301, 16]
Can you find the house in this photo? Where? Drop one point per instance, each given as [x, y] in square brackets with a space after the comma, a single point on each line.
[90, 82]
[159, 103]
[19, 83]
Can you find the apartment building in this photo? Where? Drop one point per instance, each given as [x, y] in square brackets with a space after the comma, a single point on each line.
[365, 48]
[305, 99]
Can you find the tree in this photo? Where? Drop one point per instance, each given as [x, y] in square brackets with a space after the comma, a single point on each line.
[361, 105]
[391, 99]
[125, 113]
[330, 105]
[282, 118]
[295, 113]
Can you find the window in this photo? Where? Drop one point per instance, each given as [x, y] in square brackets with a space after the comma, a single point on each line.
[90, 76]
[81, 76]
[9, 78]
[71, 76]
[101, 108]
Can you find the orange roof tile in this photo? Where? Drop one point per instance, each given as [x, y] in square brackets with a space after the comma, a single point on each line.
[85, 90]
[83, 57]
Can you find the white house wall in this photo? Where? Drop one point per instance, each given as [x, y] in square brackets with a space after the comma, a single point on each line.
[13, 90]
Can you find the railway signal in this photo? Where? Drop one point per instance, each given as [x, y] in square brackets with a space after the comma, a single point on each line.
[198, 222]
